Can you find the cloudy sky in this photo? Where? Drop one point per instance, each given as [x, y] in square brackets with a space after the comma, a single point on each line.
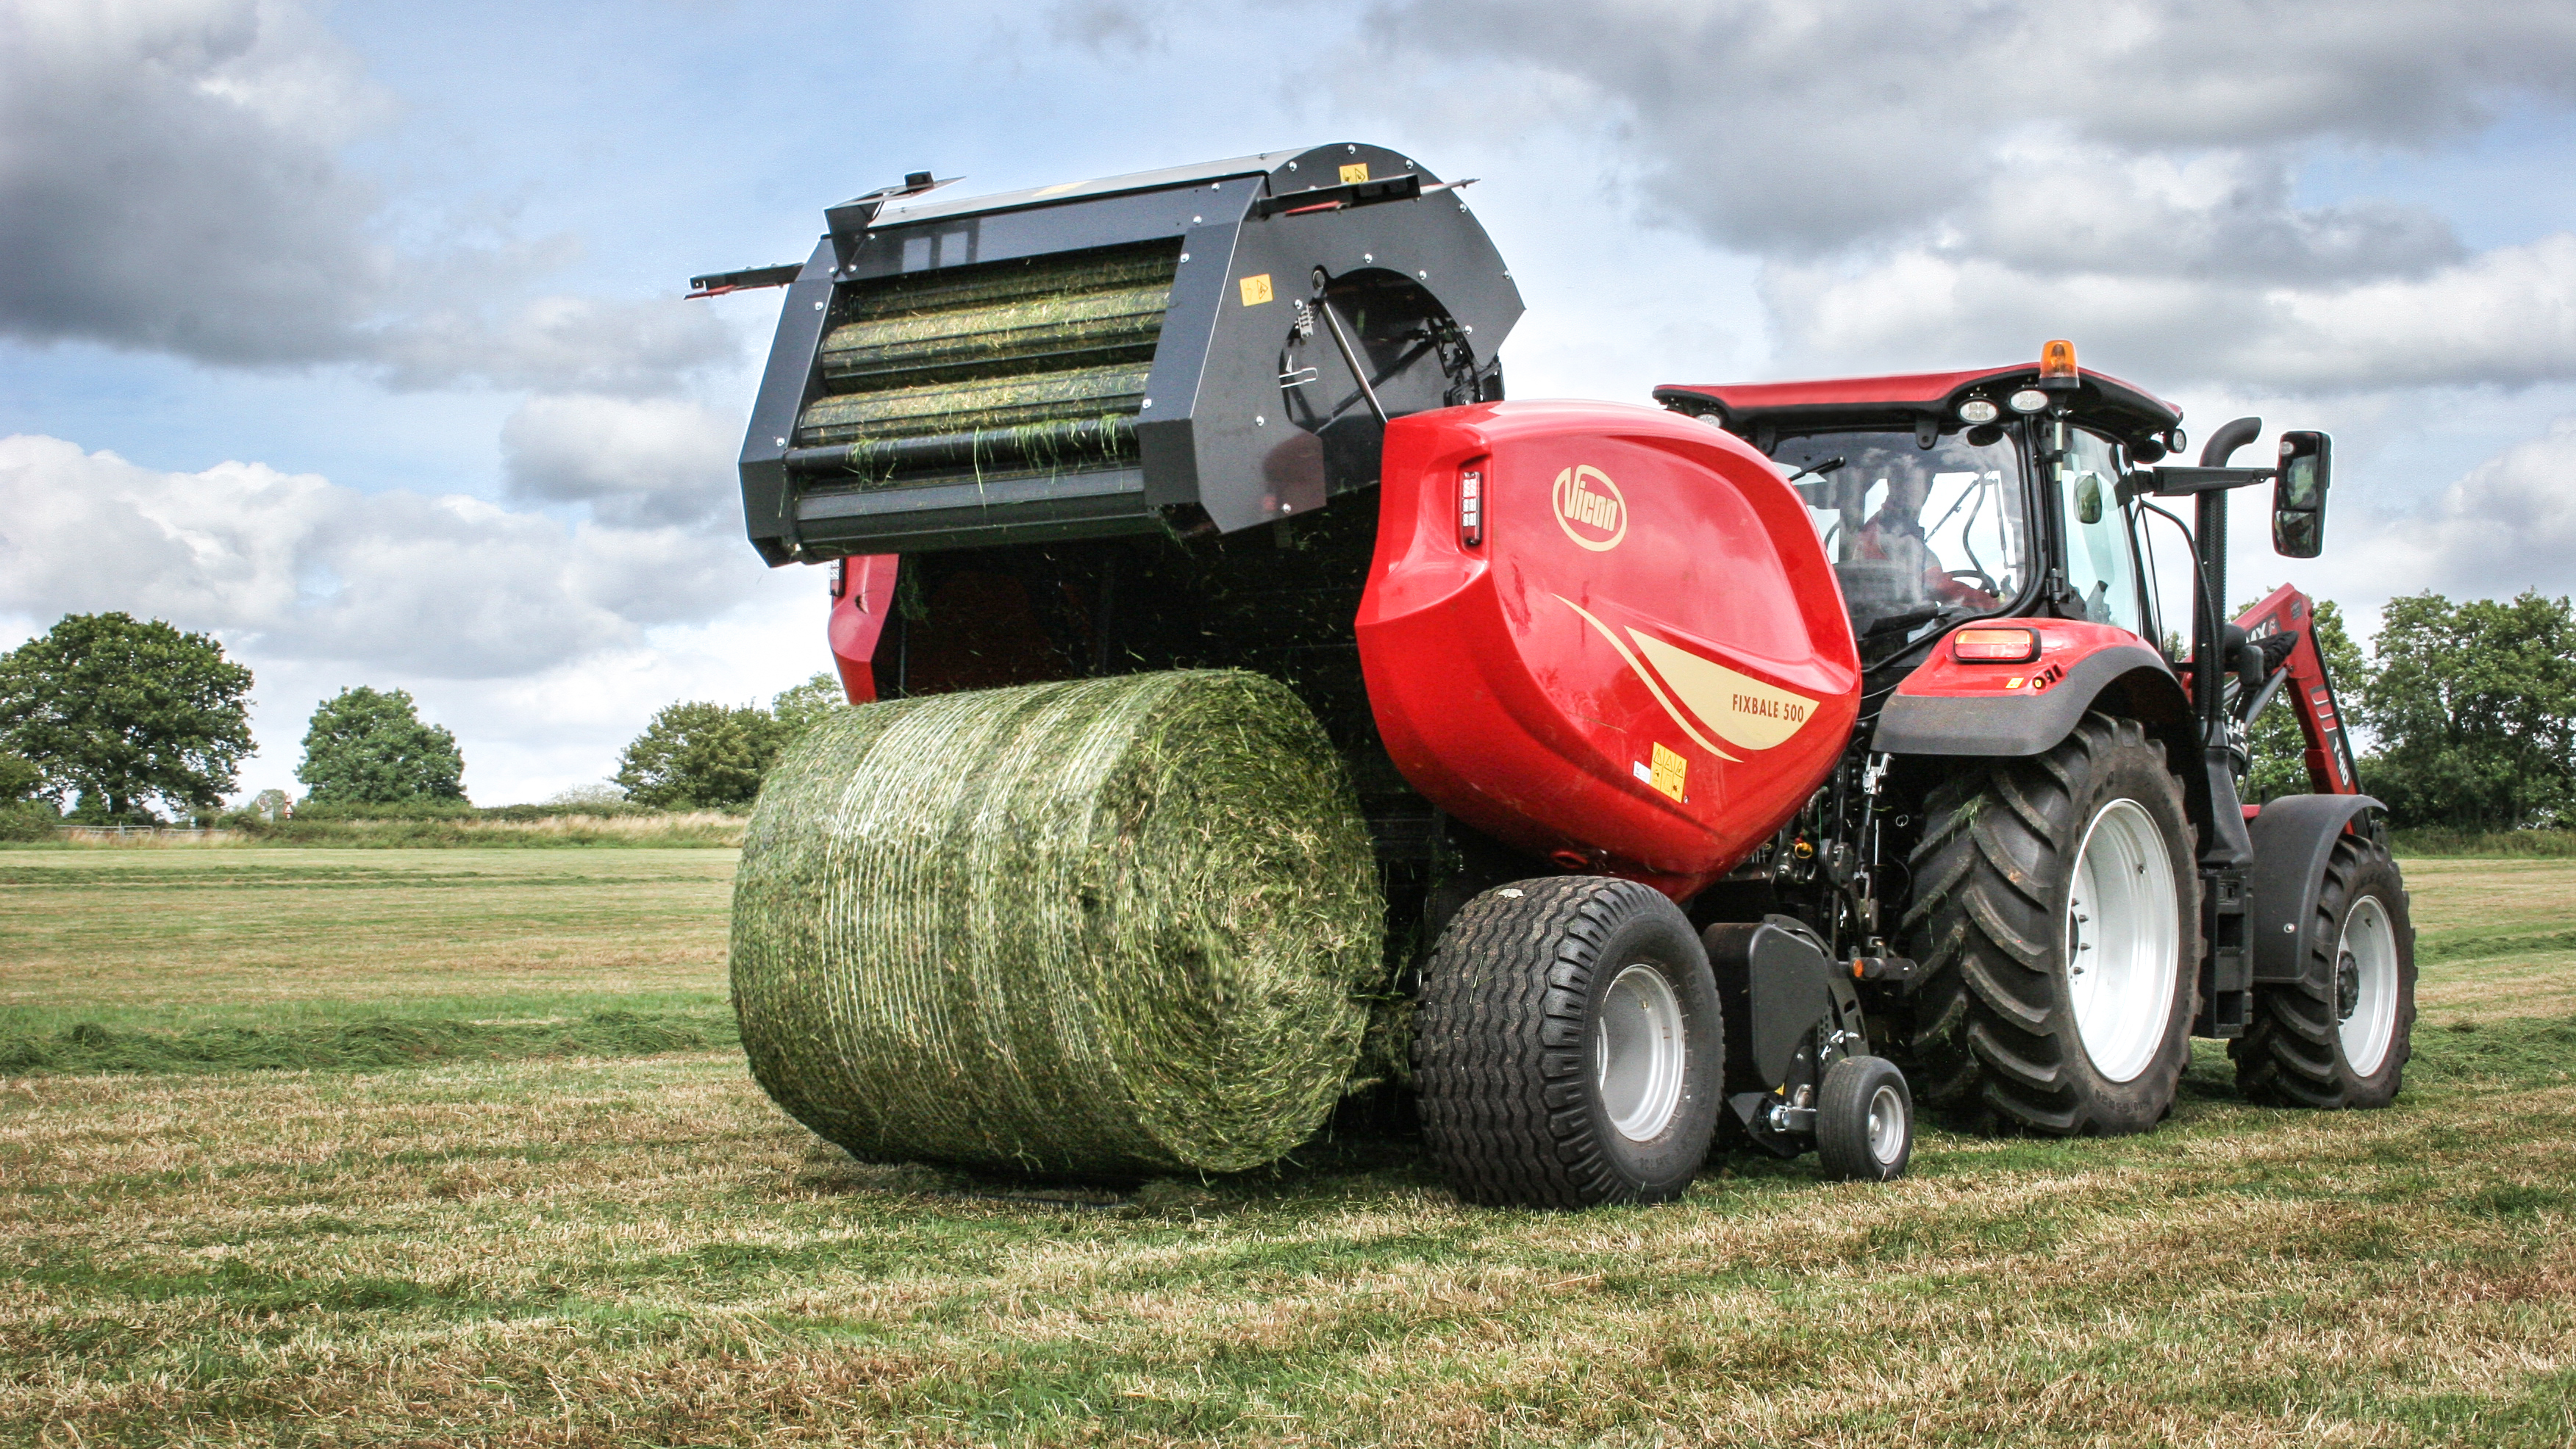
[352, 333]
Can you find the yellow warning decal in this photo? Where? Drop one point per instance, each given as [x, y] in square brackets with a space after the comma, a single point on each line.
[1354, 175]
[1256, 290]
[1669, 772]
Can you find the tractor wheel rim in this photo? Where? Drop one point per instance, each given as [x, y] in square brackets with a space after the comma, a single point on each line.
[1886, 1124]
[2370, 943]
[2122, 940]
[1641, 1052]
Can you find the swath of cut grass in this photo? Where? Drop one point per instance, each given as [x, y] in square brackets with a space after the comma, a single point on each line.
[368, 1044]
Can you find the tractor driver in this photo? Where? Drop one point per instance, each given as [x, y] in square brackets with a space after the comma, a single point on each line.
[1895, 532]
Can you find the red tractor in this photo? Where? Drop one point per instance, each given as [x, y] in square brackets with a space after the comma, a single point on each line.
[1758, 763]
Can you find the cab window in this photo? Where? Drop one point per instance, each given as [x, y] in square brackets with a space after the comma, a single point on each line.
[2100, 567]
[1915, 533]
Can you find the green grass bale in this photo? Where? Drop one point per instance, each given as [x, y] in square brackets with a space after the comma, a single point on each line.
[1109, 926]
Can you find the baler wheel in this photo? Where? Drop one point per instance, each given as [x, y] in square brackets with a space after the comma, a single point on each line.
[2341, 1038]
[2057, 918]
[1864, 1121]
[1569, 1051]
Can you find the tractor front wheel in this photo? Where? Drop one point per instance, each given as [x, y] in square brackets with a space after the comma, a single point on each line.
[2341, 1037]
[1568, 1051]
[2056, 914]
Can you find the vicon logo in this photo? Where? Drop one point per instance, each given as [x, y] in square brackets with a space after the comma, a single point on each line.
[1590, 508]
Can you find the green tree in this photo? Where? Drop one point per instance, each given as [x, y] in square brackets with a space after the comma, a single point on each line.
[2278, 748]
[122, 712]
[370, 748]
[701, 755]
[801, 708]
[2474, 707]
[19, 778]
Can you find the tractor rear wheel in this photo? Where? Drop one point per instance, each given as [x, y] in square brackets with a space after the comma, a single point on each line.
[2056, 915]
[2341, 1037]
[1569, 1050]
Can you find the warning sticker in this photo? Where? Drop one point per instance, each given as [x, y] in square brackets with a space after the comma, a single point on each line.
[1256, 290]
[1354, 175]
[1669, 773]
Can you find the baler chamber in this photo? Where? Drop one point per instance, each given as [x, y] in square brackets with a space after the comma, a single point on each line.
[1204, 348]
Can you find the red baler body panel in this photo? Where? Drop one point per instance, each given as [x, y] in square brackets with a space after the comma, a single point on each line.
[859, 619]
[1645, 663]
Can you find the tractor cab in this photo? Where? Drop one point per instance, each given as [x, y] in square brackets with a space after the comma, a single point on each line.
[1945, 497]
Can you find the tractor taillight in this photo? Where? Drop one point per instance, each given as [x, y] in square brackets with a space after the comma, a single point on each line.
[1471, 506]
[840, 577]
[1995, 646]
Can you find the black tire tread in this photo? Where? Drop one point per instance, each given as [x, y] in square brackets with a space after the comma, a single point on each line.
[1842, 1121]
[1501, 1055]
[1999, 837]
[2291, 1054]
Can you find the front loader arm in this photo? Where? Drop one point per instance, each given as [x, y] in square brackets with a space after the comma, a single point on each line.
[2287, 611]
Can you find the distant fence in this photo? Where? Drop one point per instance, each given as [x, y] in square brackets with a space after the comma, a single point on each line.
[120, 832]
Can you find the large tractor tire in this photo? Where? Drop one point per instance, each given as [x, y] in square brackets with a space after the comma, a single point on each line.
[2341, 1037]
[2056, 917]
[1569, 1050]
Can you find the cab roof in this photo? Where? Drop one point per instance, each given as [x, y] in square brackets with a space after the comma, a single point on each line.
[2131, 414]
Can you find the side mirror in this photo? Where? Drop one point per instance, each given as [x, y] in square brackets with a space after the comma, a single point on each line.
[2299, 495]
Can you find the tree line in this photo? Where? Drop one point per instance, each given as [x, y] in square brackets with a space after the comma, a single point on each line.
[2469, 708]
[109, 719]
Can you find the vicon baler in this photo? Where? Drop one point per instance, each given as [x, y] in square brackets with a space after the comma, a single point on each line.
[1754, 763]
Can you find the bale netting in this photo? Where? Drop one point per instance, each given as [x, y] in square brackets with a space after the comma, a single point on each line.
[1109, 926]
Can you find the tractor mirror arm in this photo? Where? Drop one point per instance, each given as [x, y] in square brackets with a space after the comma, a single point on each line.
[2183, 482]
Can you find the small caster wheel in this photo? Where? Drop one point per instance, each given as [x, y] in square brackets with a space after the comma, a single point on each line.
[1865, 1120]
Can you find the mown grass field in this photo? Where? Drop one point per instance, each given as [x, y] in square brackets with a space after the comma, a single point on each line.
[474, 1198]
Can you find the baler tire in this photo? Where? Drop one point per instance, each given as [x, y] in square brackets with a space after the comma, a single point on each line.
[1864, 1121]
[1510, 1046]
[2294, 1052]
[1995, 1038]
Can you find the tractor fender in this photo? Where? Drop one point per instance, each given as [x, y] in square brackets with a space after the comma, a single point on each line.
[2292, 838]
[2018, 710]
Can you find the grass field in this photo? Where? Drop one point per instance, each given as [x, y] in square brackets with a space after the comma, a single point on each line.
[516, 1219]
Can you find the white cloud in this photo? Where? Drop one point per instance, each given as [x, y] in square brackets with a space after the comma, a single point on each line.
[1944, 187]
[654, 461]
[296, 567]
[172, 180]
[2507, 525]
[167, 180]
[544, 645]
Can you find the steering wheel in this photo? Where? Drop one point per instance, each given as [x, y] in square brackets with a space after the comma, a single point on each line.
[1983, 581]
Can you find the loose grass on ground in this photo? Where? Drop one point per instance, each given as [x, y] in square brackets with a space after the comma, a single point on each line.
[640, 1250]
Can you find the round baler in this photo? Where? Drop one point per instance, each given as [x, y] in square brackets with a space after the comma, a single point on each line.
[1597, 776]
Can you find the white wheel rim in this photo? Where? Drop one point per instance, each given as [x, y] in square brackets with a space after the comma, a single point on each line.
[1886, 1124]
[1640, 1052]
[2122, 940]
[2366, 985]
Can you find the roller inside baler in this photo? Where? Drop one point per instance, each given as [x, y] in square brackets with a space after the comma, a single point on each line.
[1248, 415]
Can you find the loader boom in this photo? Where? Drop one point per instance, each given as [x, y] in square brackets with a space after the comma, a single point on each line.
[2302, 676]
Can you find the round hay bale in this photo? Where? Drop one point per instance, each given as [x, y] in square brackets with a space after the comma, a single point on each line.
[1107, 926]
